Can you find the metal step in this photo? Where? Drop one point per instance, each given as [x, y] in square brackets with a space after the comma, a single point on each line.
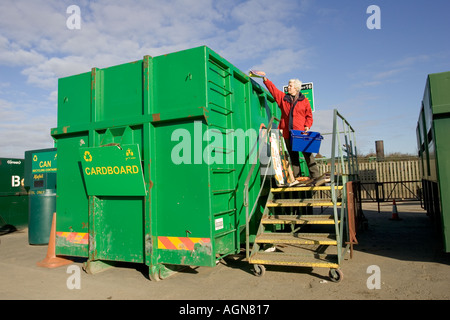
[298, 219]
[301, 203]
[297, 238]
[290, 259]
[320, 188]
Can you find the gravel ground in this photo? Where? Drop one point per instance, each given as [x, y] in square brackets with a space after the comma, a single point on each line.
[394, 260]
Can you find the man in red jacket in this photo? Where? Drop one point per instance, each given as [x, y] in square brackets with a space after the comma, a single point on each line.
[296, 114]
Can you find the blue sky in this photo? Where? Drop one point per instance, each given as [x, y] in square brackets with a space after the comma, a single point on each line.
[375, 78]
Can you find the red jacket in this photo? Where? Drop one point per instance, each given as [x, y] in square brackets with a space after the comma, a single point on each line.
[302, 113]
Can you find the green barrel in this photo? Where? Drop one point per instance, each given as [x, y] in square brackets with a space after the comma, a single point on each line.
[42, 205]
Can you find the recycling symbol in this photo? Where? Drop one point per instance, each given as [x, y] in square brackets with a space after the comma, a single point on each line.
[87, 156]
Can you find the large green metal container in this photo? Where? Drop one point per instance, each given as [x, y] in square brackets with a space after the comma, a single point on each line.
[40, 178]
[152, 160]
[13, 195]
[433, 130]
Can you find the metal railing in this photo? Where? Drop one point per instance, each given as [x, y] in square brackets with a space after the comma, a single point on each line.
[340, 174]
[248, 215]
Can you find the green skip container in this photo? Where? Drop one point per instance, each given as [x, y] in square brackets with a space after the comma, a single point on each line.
[152, 160]
[433, 129]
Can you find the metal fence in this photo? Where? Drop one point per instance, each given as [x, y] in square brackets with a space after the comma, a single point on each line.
[387, 180]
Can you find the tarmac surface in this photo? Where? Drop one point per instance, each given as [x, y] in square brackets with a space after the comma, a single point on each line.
[393, 260]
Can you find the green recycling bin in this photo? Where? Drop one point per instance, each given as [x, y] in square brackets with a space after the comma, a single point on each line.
[152, 160]
[13, 195]
[40, 173]
[433, 129]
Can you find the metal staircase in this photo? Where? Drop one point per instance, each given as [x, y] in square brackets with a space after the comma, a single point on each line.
[289, 234]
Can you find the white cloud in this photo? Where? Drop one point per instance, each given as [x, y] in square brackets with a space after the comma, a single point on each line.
[283, 61]
[29, 135]
[410, 61]
[12, 54]
[53, 96]
[28, 22]
[21, 128]
[35, 34]
[389, 73]
[34, 37]
[258, 11]
[46, 74]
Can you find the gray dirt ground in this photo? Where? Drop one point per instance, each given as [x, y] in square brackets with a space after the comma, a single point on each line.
[411, 264]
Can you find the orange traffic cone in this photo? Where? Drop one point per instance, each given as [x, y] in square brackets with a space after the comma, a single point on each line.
[395, 216]
[52, 261]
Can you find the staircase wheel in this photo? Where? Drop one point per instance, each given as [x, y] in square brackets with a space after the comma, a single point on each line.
[259, 270]
[336, 275]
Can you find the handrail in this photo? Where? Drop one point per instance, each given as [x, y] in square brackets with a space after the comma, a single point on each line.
[246, 190]
[339, 174]
[344, 174]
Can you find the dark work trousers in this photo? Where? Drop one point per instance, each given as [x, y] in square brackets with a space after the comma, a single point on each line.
[295, 161]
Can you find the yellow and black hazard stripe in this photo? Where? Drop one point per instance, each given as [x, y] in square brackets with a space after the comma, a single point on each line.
[181, 243]
[74, 237]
